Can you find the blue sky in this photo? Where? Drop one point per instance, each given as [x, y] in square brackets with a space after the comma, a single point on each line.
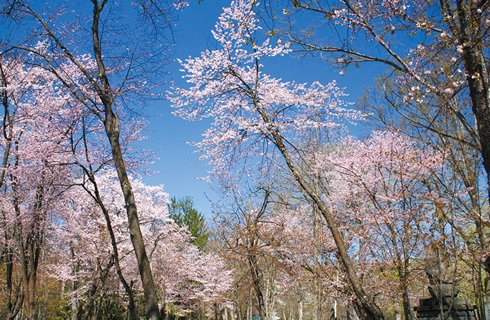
[178, 166]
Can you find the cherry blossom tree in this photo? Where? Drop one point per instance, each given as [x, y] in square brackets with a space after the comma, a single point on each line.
[35, 151]
[256, 115]
[443, 54]
[463, 178]
[191, 279]
[121, 59]
[380, 185]
[435, 55]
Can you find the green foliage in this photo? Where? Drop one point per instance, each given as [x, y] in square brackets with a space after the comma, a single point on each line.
[182, 211]
[111, 308]
[63, 309]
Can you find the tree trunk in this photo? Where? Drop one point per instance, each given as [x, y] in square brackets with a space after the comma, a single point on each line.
[407, 305]
[85, 310]
[256, 283]
[149, 288]
[29, 259]
[300, 310]
[371, 310]
[29, 265]
[476, 73]
[133, 315]
[111, 124]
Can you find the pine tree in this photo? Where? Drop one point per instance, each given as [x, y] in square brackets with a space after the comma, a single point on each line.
[182, 211]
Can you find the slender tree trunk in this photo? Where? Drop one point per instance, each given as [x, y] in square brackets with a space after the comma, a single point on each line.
[74, 286]
[29, 250]
[249, 309]
[13, 307]
[407, 305]
[470, 37]
[256, 280]
[29, 273]
[8, 275]
[85, 311]
[112, 131]
[133, 315]
[14, 301]
[152, 310]
[300, 310]
[371, 310]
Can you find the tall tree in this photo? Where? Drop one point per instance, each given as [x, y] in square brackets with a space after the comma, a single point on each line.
[121, 57]
[33, 175]
[256, 115]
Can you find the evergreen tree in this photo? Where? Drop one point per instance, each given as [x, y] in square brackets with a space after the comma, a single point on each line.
[182, 211]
